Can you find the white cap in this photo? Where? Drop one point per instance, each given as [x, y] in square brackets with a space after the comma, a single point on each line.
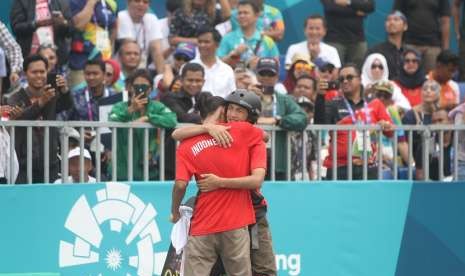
[77, 152]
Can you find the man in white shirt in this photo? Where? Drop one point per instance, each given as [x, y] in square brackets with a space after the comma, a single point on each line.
[74, 165]
[136, 23]
[219, 76]
[315, 30]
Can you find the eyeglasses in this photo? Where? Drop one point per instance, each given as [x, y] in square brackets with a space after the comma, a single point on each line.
[348, 78]
[411, 60]
[379, 66]
[267, 73]
[303, 67]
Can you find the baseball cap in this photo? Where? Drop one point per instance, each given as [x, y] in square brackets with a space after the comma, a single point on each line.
[185, 48]
[323, 64]
[268, 64]
[385, 86]
[77, 152]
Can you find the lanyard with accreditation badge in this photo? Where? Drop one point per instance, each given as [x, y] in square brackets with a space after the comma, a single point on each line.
[359, 135]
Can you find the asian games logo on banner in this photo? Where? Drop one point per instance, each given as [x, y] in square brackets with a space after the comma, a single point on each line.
[116, 236]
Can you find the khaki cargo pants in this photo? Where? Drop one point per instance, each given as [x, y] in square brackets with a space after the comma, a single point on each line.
[233, 247]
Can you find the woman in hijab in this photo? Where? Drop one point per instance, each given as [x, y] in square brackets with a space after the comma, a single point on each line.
[411, 76]
[375, 69]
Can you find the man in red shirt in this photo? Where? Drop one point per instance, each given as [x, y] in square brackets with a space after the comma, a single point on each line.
[220, 220]
[351, 108]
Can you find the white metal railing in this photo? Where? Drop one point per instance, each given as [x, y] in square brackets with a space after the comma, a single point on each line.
[318, 131]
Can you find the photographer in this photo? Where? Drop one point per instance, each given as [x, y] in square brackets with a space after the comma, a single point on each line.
[140, 109]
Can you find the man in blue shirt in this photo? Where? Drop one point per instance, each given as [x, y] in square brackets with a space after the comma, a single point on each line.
[246, 44]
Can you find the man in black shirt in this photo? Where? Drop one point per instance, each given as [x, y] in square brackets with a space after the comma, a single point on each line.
[345, 27]
[391, 49]
[428, 32]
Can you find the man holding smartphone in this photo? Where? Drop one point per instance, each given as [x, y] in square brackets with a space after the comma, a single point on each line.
[39, 101]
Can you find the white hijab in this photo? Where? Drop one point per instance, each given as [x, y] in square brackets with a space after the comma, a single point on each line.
[367, 78]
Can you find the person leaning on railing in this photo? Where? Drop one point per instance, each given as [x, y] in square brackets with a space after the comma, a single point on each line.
[422, 114]
[351, 108]
[39, 101]
[139, 109]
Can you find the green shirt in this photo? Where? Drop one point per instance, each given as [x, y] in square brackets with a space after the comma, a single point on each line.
[159, 116]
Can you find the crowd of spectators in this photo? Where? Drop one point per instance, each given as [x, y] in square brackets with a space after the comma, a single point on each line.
[66, 59]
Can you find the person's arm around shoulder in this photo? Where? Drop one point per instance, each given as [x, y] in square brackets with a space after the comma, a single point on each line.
[219, 132]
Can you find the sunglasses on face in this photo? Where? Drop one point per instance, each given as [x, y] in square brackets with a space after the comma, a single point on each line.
[348, 78]
[379, 66]
[411, 60]
[303, 67]
[267, 73]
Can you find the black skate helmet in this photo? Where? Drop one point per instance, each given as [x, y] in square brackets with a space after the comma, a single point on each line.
[248, 100]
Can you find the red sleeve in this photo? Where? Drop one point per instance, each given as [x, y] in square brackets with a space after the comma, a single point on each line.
[258, 156]
[184, 169]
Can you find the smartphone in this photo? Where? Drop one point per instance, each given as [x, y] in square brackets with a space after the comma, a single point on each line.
[333, 85]
[52, 80]
[268, 90]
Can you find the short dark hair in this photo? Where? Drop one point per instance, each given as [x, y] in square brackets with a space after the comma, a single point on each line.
[191, 67]
[307, 77]
[207, 104]
[448, 57]
[100, 63]
[34, 58]
[125, 42]
[351, 65]
[139, 73]
[255, 7]
[215, 34]
[313, 17]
